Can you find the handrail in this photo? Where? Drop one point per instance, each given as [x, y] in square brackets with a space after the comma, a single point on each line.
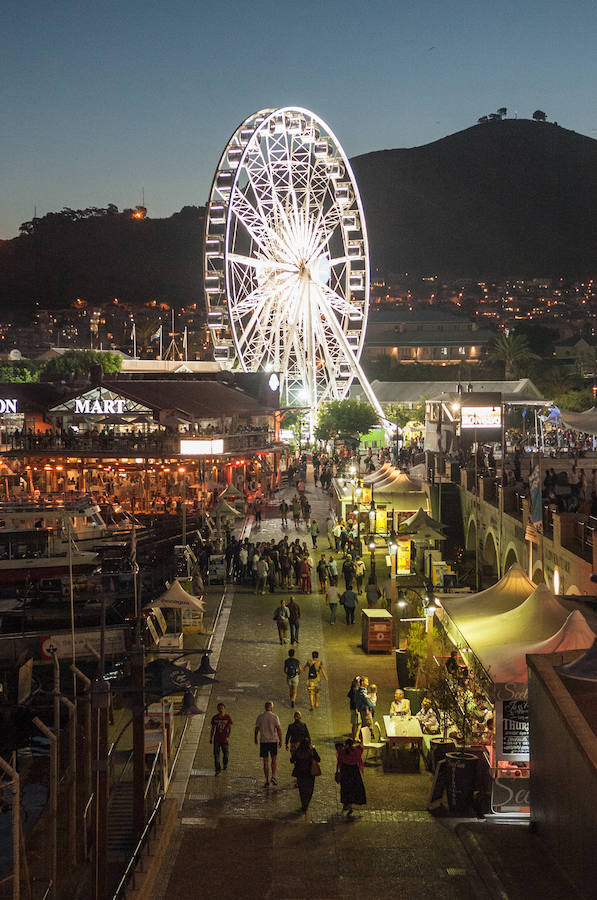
[152, 773]
[130, 869]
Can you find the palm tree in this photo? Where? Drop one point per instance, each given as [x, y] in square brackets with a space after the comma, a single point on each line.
[513, 351]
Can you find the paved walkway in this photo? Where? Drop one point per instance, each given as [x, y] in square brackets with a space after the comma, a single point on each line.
[237, 839]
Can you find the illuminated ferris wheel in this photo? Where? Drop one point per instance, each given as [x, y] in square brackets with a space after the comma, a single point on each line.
[286, 258]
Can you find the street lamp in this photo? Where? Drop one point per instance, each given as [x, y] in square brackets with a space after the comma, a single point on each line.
[401, 607]
[372, 551]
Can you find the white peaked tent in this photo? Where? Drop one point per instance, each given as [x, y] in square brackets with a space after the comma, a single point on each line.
[177, 598]
[379, 474]
[422, 527]
[510, 591]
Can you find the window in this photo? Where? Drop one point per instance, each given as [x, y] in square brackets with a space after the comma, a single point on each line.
[462, 351]
[444, 351]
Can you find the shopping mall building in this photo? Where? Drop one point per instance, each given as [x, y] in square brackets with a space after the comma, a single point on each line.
[141, 436]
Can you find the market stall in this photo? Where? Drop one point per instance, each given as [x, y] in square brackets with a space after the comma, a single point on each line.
[494, 630]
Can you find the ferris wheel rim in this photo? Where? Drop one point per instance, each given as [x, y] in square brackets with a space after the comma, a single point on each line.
[259, 124]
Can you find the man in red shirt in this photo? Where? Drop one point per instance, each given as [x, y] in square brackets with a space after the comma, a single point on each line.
[221, 725]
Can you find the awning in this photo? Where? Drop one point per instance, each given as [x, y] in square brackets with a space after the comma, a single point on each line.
[581, 421]
[177, 598]
[422, 527]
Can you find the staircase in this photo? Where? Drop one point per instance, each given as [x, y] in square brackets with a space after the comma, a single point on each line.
[120, 821]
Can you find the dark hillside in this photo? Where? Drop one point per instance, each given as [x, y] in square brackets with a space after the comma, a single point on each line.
[509, 198]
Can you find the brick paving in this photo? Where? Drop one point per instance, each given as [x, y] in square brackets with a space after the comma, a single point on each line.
[238, 839]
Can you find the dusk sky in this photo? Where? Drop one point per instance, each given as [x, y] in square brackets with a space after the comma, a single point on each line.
[101, 99]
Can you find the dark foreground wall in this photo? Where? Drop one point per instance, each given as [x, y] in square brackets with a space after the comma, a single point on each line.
[563, 781]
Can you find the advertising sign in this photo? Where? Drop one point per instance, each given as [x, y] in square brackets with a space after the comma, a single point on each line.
[381, 521]
[481, 417]
[192, 447]
[8, 406]
[403, 557]
[512, 729]
[85, 643]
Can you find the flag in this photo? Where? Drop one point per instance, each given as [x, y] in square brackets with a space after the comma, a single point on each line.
[156, 336]
[536, 504]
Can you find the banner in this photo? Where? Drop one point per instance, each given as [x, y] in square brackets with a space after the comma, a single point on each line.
[403, 557]
[512, 729]
[536, 503]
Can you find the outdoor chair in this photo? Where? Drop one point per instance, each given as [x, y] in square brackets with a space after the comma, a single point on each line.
[369, 743]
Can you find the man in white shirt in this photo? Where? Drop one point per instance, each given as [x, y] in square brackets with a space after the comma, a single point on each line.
[267, 726]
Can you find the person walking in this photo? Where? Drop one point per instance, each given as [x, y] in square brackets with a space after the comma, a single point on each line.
[219, 736]
[359, 572]
[305, 755]
[269, 732]
[296, 511]
[282, 619]
[314, 529]
[337, 531]
[322, 574]
[349, 601]
[348, 572]
[314, 669]
[261, 570]
[372, 592]
[333, 570]
[332, 596]
[292, 670]
[329, 527]
[349, 769]
[294, 615]
[296, 732]
[284, 513]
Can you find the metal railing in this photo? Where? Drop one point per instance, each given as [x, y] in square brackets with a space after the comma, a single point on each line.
[136, 859]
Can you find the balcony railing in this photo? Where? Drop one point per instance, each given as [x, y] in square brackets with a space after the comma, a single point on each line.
[131, 445]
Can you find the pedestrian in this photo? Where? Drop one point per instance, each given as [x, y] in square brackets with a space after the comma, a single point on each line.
[348, 572]
[337, 531]
[332, 596]
[329, 527]
[296, 732]
[359, 572]
[261, 570]
[314, 669]
[305, 574]
[372, 592]
[296, 511]
[294, 615]
[333, 570]
[322, 574]
[349, 601]
[349, 769]
[292, 670]
[267, 727]
[281, 618]
[284, 513]
[314, 531]
[306, 768]
[258, 509]
[355, 716]
[219, 736]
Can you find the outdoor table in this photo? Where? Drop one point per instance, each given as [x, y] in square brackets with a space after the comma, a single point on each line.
[402, 731]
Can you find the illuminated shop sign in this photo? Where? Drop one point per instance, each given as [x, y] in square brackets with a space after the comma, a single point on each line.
[481, 417]
[8, 406]
[85, 406]
[201, 448]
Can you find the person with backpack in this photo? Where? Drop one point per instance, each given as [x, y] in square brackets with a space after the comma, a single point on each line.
[322, 572]
[314, 531]
[314, 669]
[292, 670]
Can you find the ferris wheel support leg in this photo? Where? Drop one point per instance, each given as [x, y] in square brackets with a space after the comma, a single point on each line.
[358, 373]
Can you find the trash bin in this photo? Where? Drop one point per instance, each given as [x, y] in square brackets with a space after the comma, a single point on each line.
[438, 750]
[462, 771]
[404, 677]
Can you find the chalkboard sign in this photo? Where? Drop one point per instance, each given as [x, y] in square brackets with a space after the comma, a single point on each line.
[440, 781]
[515, 728]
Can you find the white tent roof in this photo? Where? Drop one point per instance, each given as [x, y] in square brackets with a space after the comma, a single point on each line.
[509, 592]
[534, 620]
[379, 474]
[177, 598]
[508, 664]
[422, 527]
[583, 421]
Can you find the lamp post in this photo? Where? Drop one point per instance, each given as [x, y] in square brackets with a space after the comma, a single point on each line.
[401, 604]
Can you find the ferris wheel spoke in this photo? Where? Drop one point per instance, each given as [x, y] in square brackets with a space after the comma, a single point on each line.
[338, 303]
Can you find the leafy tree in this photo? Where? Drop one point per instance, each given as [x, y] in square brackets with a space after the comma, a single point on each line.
[346, 417]
[17, 373]
[576, 401]
[513, 350]
[402, 416]
[539, 116]
[79, 362]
